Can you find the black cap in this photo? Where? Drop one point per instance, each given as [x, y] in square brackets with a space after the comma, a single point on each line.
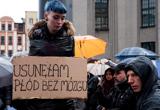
[119, 67]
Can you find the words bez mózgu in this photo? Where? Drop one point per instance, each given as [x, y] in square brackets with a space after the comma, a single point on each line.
[50, 85]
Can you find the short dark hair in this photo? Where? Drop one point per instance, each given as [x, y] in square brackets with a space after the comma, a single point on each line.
[55, 6]
[109, 69]
[119, 67]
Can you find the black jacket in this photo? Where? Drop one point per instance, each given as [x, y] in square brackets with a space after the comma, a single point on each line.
[91, 102]
[149, 97]
[42, 43]
[120, 97]
[5, 96]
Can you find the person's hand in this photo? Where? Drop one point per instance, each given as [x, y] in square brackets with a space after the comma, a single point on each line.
[99, 82]
[104, 61]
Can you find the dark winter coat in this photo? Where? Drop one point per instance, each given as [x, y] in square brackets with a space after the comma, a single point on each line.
[42, 43]
[5, 96]
[120, 97]
[149, 97]
[91, 102]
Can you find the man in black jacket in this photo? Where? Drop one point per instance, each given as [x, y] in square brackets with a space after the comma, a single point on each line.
[51, 37]
[143, 78]
[121, 96]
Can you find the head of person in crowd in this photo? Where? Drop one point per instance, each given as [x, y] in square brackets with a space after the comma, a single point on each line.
[143, 78]
[54, 14]
[108, 74]
[120, 74]
[107, 80]
[142, 74]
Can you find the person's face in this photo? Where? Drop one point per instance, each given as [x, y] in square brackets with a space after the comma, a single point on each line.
[135, 81]
[109, 75]
[119, 76]
[54, 20]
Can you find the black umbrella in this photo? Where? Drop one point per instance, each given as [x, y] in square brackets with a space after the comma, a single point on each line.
[6, 70]
[134, 52]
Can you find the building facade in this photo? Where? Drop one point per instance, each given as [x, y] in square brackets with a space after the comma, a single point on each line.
[31, 17]
[121, 23]
[133, 23]
[12, 36]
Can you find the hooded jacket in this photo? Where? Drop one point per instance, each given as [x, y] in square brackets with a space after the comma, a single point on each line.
[149, 96]
[42, 43]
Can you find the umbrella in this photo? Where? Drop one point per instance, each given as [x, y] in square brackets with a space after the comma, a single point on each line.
[88, 46]
[6, 70]
[127, 60]
[19, 54]
[134, 52]
[97, 69]
[157, 65]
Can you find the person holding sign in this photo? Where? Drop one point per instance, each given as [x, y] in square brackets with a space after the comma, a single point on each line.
[51, 37]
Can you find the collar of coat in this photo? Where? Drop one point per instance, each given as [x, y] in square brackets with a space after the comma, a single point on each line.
[67, 25]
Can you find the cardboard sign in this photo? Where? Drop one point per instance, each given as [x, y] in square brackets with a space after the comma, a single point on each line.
[49, 77]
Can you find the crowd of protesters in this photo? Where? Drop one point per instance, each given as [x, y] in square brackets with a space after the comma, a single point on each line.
[136, 87]
[129, 85]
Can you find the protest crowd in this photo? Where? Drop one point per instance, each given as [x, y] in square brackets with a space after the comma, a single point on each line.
[131, 84]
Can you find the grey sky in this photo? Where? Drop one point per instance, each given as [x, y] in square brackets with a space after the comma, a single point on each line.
[16, 8]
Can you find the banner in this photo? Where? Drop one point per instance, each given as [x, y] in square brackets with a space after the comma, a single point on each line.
[49, 77]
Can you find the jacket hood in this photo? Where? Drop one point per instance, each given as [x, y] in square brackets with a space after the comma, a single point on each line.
[68, 26]
[145, 69]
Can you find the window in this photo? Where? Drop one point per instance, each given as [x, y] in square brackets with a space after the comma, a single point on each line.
[98, 1]
[10, 53]
[19, 50]
[2, 52]
[148, 13]
[30, 20]
[101, 22]
[3, 27]
[21, 27]
[10, 40]
[9, 27]
[101, 15]
[149, 45]
[19, 40]
[2, 40]
[104, 1]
